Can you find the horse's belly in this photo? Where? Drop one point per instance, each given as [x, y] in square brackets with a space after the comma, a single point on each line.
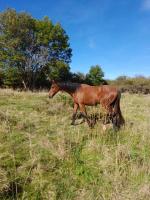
[91, 103]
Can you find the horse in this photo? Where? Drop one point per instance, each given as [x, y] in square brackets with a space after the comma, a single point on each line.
[85, 95]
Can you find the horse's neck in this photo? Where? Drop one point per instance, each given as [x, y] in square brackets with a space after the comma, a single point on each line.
[66, 89]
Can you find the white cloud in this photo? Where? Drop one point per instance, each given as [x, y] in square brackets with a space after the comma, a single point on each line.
[146, 5]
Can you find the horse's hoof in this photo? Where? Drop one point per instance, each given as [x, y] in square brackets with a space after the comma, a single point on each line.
[72, 124]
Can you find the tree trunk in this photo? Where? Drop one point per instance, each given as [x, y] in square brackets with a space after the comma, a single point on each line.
[24, 85]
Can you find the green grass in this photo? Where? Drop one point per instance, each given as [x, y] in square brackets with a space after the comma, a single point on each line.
[43, 157]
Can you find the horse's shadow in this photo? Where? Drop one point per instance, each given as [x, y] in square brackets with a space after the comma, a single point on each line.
[93, 117]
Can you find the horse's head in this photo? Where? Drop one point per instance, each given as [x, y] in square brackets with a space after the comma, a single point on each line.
[54, 89]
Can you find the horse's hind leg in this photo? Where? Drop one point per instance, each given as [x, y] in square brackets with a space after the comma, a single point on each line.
[109, 112]
[113, 119]
[114, 122]
[84, 114]
[74, 113]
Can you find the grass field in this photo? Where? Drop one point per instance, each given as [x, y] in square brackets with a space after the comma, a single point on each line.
[43, 157]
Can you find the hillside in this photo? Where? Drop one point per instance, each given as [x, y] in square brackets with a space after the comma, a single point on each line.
[43, 157]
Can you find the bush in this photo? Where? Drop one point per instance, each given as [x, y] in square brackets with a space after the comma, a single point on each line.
[134, 85]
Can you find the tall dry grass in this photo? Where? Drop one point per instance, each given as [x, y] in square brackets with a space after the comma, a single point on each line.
[43, 157]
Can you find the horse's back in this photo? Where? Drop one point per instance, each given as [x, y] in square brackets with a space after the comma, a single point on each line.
[109, 89]
[101, 89]
[91, 95]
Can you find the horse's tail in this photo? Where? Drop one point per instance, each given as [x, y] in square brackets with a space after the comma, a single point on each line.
[118, 119]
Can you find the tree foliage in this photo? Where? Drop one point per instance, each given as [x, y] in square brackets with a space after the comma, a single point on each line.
[32, 48]
[95, 75]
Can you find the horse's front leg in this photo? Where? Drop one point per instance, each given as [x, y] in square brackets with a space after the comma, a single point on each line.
[74, 113]
[84, 114]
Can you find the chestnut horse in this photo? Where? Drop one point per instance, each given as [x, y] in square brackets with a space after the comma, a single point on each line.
[86, 95]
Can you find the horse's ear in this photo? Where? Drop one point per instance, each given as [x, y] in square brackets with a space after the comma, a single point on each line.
[53, 81]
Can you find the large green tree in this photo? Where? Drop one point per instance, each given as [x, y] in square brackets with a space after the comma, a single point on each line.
[95, 75]
[32, 48]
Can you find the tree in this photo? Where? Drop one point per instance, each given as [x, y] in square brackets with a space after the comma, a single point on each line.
[12, 77]
[1, 77]
[57, 70]
[95, 75]
[122, 78]
[78, 77]
[15, 36]
[31, 46]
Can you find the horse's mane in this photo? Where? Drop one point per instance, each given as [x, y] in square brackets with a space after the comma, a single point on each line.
[69, 86]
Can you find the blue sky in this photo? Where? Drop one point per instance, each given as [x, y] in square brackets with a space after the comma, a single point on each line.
[112, 33]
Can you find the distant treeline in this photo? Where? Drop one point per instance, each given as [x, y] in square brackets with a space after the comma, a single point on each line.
[138, 84]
